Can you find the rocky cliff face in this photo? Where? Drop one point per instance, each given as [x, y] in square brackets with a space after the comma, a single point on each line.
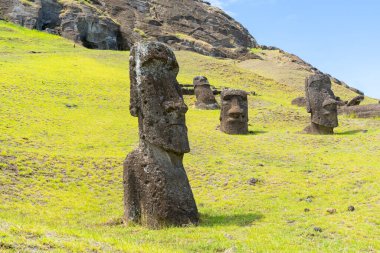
[82, 23]
[117, 24]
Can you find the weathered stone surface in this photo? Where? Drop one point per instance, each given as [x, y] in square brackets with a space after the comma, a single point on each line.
[321, 103]
[82, 23]
[188, 24]
[361, 111]
[234, 113]
[205, 96]
[356, 100]
[157, 192]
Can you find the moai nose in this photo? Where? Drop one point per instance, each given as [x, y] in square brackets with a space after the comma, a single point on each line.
[235, 111]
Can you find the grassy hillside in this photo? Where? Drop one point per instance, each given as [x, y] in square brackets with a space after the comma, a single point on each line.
[65, 130]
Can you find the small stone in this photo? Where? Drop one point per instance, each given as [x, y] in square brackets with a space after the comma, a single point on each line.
[253, 181]
[318, 229]
[309, 199]
[306, 210]
[351, 208]
[331, 210]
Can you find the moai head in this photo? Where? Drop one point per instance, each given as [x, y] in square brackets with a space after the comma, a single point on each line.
[156, 97]
[234, 113]
[205, 96]
[321, 101]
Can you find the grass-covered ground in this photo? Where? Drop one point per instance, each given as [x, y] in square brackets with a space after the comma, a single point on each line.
[65, 130]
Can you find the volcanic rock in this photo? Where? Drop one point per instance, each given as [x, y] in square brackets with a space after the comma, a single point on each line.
[117, 24]
[356, 100]
[157, 192]
[361, 111]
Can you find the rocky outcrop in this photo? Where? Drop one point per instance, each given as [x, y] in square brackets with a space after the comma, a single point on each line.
[361, 111]
[81, 23]
[356, 100]
[189, 24]
[117, 24]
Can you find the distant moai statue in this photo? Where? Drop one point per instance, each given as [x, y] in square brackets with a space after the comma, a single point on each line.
[322, 104]
[234, 113]
[157, 192]
[205, 97]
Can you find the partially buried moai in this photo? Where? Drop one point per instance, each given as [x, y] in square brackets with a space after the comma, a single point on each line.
[234, 113]
[205, 97]
[157, 192]
[322, 104]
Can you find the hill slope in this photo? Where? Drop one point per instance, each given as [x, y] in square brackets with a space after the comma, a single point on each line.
[117, 24]
[65, 129]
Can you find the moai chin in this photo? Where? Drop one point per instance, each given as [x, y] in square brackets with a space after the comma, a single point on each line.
[203, 93]
[322, 104]
[157, 192]
[234, 113]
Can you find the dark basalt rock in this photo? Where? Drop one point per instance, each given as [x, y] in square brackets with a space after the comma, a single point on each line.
[361, 111]
[321, 103]
[204, 94]
[157, 192]
[356, 100]
[234, 113]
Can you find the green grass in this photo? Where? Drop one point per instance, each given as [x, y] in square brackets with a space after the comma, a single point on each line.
[256, 50]
[65, 130]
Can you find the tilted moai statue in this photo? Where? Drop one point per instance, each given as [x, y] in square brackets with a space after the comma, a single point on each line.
[203, 93]
[234, 113]
[157, 192]
[322, 104]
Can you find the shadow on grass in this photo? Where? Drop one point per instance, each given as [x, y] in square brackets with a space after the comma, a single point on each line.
[229, 219]
[351, 132]
[257, 132]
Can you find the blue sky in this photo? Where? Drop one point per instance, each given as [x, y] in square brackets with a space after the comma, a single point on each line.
[340, 37]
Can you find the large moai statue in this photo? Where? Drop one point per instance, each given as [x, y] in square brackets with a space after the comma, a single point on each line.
[157, 192]
[203, 93]
[322, 104]
[234, 113]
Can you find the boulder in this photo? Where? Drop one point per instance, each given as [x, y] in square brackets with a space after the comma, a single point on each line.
[300, 101]
[356, 100]
[361, 111]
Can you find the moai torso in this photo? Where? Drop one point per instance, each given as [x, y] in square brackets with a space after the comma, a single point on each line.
[322, 104]
[234, 113]
[157, 192]
[205, 97]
